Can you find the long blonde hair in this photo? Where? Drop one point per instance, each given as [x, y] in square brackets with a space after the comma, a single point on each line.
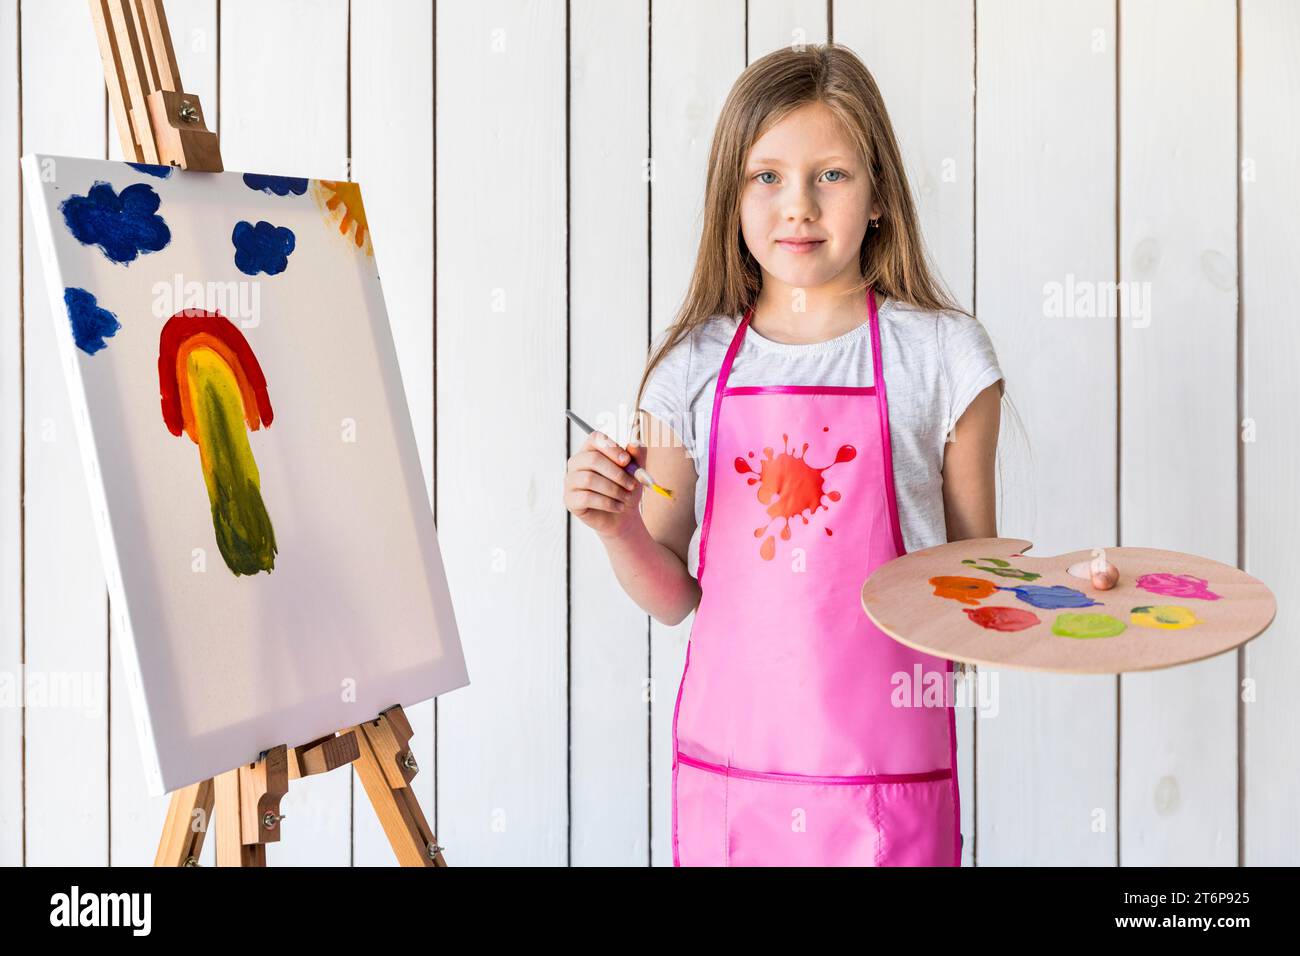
[893, 257]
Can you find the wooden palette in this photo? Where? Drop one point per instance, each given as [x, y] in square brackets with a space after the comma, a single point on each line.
[1189, 608]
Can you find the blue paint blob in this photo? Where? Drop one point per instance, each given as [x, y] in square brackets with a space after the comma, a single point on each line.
[278, 185]
[162, 172]
[262, 248]
[90, 322]
[1056, 596]
[123, 226]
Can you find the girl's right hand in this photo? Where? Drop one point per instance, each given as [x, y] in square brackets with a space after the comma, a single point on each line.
[597, 490]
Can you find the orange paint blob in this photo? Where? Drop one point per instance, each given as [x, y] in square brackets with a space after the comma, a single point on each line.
[789, 486]
[965, 590]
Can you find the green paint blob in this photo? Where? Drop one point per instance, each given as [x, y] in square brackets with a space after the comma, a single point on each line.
[1086, 625]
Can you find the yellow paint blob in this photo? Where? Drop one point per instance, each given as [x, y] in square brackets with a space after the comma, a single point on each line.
[1168, 617]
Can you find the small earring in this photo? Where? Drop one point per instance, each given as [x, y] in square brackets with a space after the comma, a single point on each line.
[875, 223]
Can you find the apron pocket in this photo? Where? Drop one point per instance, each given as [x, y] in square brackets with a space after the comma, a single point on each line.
[918, 824]
[800, 824]
[734, 817]
[699, 817]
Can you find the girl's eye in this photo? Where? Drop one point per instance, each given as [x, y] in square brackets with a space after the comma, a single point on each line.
[830, 172]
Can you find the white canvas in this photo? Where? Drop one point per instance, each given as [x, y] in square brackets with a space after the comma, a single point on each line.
[328, 602]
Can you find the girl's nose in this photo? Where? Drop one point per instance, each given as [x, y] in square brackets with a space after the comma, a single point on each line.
[800, 204]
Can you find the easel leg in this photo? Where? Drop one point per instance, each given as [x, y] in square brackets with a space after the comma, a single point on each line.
[231, 850]
[248, 805]
[246, 800]
[386, 768]
[188, 817]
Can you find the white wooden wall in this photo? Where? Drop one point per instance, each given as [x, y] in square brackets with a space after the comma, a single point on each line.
[543, 164]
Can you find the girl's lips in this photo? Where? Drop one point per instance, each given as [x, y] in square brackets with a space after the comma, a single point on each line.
[800, 247]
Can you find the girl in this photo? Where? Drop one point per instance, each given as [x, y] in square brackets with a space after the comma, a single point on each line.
[812, 375]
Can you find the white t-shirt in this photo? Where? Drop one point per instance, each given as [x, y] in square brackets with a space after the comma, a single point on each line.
[935, 363]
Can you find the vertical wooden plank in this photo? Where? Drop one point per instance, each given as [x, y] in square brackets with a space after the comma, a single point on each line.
[501, 371]
[284, 87]
[195, 30]
[772, 24]
[137, 818]
[609, 701]
[922, 56]
[696, 53]
[392, 159]
[1178, 401]
[284, 109]
[66, 605]
[1045, 217]
[1270, 235]
[11, 451]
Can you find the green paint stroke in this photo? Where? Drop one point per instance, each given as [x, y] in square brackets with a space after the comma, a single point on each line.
[239, 518]
[1086, 625]
[1002, 569]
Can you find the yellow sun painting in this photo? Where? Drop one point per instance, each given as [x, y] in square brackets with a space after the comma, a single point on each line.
[341, 203]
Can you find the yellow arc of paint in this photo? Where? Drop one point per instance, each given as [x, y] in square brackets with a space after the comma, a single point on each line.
[207, 369]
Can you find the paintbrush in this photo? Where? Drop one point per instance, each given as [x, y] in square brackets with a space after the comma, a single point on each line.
[632, 468]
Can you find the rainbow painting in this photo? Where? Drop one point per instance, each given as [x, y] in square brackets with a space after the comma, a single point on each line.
[254, 557]
[212, 386]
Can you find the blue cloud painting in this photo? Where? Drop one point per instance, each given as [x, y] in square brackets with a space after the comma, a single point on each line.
[123, 226]
[262, 248]
[91, 323]
[162, 172]
[279, 185]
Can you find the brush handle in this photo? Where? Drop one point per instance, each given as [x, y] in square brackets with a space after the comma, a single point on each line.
[632, 468]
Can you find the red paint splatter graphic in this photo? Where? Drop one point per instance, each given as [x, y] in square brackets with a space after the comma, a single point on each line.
[1002, 618]
[789, 486]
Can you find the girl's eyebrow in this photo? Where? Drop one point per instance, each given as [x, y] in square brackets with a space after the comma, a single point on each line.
[777, 162]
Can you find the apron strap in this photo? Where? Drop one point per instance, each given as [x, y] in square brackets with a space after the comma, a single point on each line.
[882, 403]
[725, 372]
[879, 380]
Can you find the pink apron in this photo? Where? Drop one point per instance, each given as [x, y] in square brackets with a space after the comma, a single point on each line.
[803, 735]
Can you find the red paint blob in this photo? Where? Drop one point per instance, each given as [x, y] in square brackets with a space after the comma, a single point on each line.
[1002, 618]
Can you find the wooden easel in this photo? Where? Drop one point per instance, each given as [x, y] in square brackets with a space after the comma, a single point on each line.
[248, 798]
[160, 124]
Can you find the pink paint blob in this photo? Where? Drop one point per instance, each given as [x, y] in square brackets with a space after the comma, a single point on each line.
[1177, 585]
